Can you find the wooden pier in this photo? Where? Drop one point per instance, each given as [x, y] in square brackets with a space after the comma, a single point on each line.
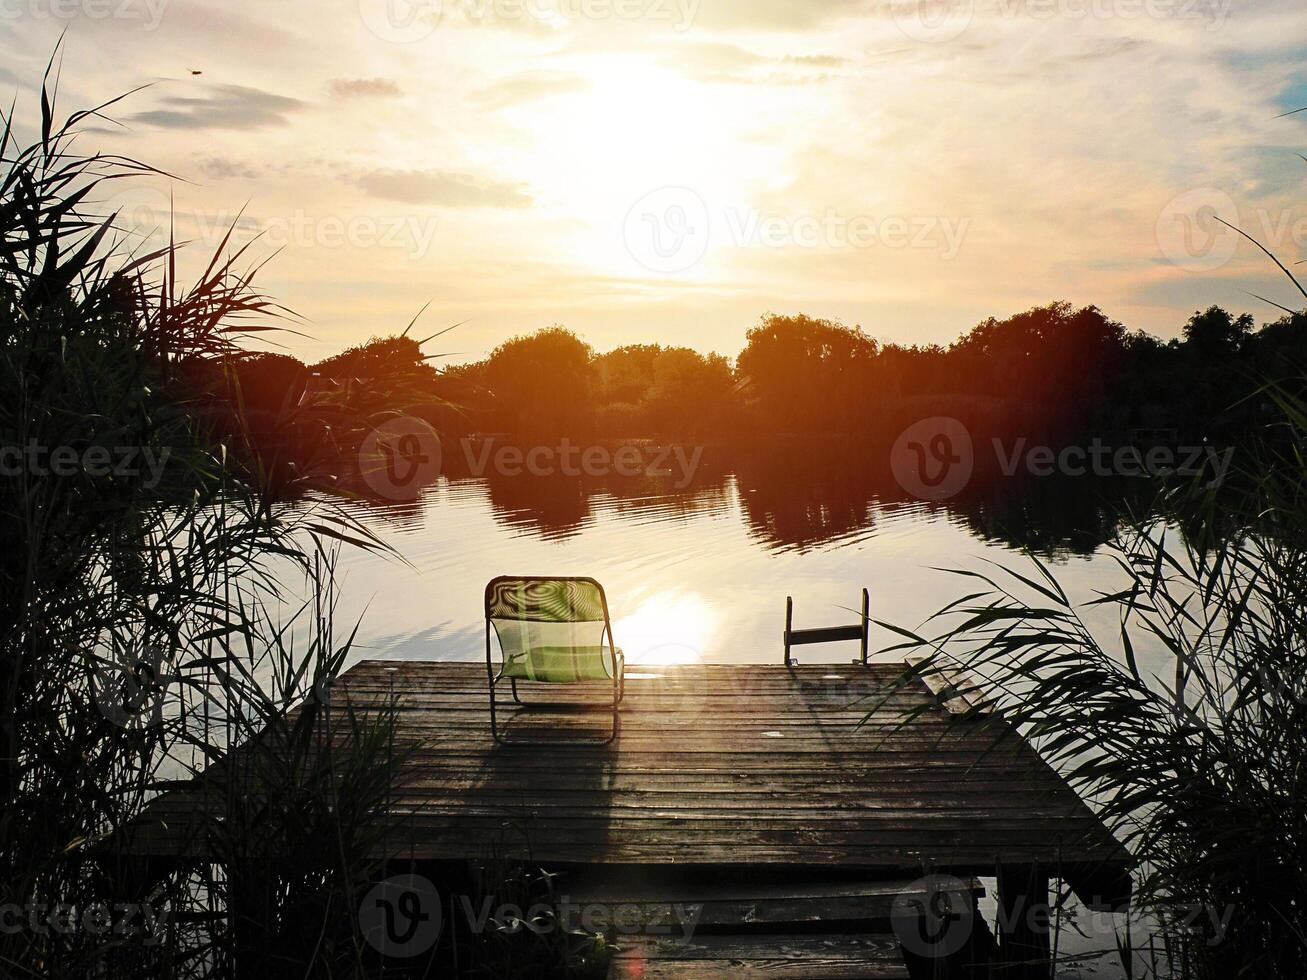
[802, 776]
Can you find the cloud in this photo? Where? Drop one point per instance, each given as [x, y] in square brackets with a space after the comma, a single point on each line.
[362, 88]
[443, 188]
[225, 168]
[712, 58]
[731, 64]
[226, 107]
[817, 60]
[529, 87]
[774, 15]
[1096, 49]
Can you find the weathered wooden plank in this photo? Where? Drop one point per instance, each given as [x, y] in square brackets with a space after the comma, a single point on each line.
[661, 904]
[736, 766]
[726, 789]
[674, 885]
[1027, 806]
[893, 858]
[811, 957]
[957, 691]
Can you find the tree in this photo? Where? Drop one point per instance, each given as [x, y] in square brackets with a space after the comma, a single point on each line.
[542, 381]
[689, 390]
[1058, 360]
[625, 374]
[397, 358]
[1280, 348]
[1216, 333]
[806, 373]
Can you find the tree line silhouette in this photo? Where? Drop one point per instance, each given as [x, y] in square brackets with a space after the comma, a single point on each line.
[1054, 373]
[799, 425]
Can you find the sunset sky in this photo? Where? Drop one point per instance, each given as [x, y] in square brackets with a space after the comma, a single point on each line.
[669, 170]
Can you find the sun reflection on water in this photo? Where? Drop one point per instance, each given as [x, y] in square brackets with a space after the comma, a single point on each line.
[667, 628]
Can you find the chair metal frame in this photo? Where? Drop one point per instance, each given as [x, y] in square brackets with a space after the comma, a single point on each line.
[619, 678]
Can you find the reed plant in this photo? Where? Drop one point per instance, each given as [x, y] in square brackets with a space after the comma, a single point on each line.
[145, 579]
[534, 937]
[1186, 727]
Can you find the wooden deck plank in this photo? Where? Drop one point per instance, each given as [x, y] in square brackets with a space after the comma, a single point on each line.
[810, 957]
[663, 904]
[741, 765]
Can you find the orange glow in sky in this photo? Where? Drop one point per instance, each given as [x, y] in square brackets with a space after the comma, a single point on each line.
[669, 170]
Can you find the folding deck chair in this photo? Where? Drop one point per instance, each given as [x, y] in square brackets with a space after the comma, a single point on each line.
[551, 631]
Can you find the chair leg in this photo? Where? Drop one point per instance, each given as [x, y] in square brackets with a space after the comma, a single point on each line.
[494, 728]
[619, 692]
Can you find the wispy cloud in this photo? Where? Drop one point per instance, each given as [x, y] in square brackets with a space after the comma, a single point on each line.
[225, 107]
[363, 88]
[530, 87]
[731, 64]
[1058, 138]
[443, 188]
[225, 168]
[775, 15]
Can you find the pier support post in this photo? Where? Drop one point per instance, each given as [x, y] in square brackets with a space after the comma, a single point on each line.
[1024, 917]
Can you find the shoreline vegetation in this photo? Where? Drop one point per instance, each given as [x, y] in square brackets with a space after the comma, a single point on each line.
[1052, 376]
[1063, 408]
[1196, 768]
[148, 634]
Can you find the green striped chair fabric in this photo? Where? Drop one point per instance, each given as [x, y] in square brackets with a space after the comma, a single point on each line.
[552, 630]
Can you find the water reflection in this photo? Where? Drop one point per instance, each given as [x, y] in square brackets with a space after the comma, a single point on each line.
[793, 496]
[700, 574]
[559, 505]
[667, 628]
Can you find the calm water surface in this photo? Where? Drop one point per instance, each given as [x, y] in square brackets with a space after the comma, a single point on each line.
[700, 574]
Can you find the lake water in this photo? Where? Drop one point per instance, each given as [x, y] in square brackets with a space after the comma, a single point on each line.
[699, 573]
